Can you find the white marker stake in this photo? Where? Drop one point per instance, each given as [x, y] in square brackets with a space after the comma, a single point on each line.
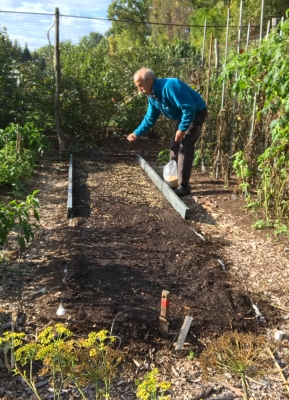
[184, 332]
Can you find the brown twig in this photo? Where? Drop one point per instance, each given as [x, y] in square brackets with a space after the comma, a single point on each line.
[235, 390]
[279, 368]
[253, 380]
[281, 308]
[204, 394]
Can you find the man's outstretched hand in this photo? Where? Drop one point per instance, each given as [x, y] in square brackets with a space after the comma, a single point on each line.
[132, 137]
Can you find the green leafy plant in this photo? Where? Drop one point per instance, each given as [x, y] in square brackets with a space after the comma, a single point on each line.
[15, 217]
[191, 354]
[281, 229]
[20, 147]
[262, 224]
[241, 167]
[150, 389]
[163, 156]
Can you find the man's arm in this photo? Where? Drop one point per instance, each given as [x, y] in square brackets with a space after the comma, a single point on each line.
[149, 120]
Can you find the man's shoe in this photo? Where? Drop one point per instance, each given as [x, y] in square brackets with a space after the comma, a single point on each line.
[182, 191]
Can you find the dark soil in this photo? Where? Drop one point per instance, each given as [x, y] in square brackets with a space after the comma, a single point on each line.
[122, 247]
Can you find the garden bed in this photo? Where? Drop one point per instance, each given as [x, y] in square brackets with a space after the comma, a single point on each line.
[125, 244]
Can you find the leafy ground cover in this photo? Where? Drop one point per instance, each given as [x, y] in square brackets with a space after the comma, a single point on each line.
[123, 246]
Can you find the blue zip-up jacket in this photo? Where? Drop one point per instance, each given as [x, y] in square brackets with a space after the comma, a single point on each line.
[176, 100]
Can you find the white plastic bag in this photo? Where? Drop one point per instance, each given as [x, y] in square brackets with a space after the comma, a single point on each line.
[170, 174]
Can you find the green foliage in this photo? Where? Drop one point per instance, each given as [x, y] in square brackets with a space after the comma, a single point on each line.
[164, 156]
[281, 229]
[261, 224]
[169, 13]
[191, 355]
[15, 217]
[90, 40]
[243, 172]
[19, 148]
[134, 31]
[9, 96]
[150, 389]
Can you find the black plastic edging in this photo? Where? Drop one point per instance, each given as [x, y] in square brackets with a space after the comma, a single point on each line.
[69, 197]
[169, 194]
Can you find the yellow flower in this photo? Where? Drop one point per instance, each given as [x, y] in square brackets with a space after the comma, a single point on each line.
[92, 353]
[62, 330]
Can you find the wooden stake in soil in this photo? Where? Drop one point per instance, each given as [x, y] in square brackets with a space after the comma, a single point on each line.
[184, 331]
[164, 316]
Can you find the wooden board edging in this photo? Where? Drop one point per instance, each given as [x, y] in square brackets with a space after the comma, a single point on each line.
[169, 194]
[70, 185]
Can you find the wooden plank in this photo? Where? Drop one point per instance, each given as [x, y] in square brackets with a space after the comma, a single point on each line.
[169, 194]
[70, 186]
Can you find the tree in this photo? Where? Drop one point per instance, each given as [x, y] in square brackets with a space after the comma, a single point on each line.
[171, 13]
[135, 29]
[91, 40]
[9, 93]
[26, 55]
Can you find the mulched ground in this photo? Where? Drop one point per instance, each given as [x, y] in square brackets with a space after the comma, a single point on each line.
[122, 247]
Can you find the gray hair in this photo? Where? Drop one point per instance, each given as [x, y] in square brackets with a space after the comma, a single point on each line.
[145, 73]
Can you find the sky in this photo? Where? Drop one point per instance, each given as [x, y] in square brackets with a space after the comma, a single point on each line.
[32, 29]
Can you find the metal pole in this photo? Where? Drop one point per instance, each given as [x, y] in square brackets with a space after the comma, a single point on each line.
[209, 70]
[240, 27]
[268, 29]
[60, 135]
[248, 35]
[204, 41]
[226, 55]
[235, 97]
[217, 58]
[207, 102]
[253, 117]
[282, 20]
[261, 22]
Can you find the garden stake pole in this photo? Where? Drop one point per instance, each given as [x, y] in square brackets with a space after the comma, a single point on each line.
[223, 86]
[261, 22]
[253, 120]
[282, 20]
[203, 168]
[248, 36]
[209, 70]
[255, 96]
[202, 66]
[226, 55]
[164, 316]
[60, 135]
[204, 41]
[268, 29]
[217, 57]
[235, 97]
[207, 96]
[240, 27]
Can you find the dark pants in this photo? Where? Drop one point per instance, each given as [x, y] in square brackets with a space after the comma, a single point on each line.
[183, 152]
